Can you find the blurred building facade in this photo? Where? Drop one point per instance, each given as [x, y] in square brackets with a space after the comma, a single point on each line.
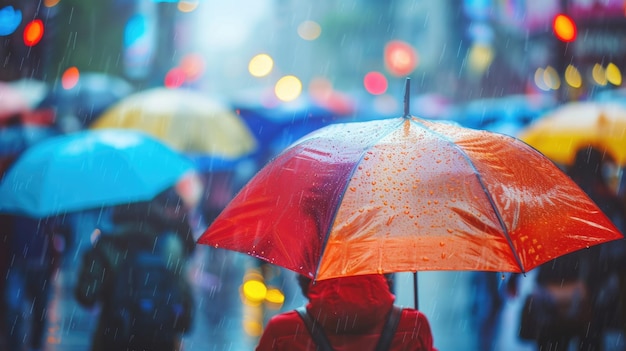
[464, 50]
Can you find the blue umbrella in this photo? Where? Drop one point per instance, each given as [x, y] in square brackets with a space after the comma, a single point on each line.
[89, 169]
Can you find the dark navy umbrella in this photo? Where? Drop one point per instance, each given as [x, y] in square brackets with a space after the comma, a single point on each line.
[78, 106]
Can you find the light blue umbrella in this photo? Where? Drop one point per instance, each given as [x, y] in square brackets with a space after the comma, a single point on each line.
[89, 169]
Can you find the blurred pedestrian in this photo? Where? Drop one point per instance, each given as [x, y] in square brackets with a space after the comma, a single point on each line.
[486, 308]
[580, 296]
[607, 262]
[558, 310]
[150, 243]
[33, 256]
[349, 313]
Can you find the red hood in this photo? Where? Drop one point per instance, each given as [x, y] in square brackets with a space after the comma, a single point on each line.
[349, 305]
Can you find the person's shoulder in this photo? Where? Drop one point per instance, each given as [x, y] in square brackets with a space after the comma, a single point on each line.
[286, 321]
[283, 329]
[414, 329]
[412, 318]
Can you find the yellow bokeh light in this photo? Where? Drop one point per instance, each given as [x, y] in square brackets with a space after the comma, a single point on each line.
[275, 296]
[613, 74]
[480, 58]
[551, 78]
[188, 5]
[598, 74]
[309, 30]
[254, 290]
[261, 65]
[288, 88]
[572, 77]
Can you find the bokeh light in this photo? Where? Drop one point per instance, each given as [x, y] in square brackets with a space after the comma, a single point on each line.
[480, 57]
[275, 296]
[51, 3]
[375, 83]
[254, 290]
[260, 65]
[539, 79]
[400, 58]
[551, 78]
[288, 88]
[33, 32]
[70, 78]
[598, 74]
[136, 29]
[174, 78]
[564, 28]
[193, 66]
[309, 30]
[188, 5]
[10, 19]
[613, 74]
[573, 77]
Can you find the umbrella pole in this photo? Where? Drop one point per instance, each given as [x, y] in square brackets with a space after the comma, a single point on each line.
[415, 300]
[407, 97]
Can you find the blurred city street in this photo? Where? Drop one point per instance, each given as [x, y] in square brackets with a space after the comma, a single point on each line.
[445, 297]
[215, 110]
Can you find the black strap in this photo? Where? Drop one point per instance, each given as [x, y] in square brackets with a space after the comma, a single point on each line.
[320, 339]
[389, 330]
[315, 330]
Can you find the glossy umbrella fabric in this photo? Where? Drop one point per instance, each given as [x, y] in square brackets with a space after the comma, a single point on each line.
[184, 119]
[562, 132]
[89, 169]
[407, 194]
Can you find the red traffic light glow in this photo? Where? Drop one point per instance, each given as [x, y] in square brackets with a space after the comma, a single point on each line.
[33, 32]
[400, 58]
[564, 28]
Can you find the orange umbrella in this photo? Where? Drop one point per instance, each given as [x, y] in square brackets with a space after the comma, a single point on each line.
[407, 194]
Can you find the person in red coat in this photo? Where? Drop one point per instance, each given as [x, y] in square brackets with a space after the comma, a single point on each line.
[352, 312]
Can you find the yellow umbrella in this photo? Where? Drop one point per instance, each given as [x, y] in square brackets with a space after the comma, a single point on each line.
[186, 120]
[562, 132]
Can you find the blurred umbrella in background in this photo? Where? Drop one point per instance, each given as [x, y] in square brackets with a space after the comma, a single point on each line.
[277, 124]
[13, 105]
[17, 138]
[89, 169]
[33, 90]
[204, 129]
[562, 132]
[76, 105]
[21, 126]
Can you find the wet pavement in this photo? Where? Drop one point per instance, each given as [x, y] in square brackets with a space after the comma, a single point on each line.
[445, 297]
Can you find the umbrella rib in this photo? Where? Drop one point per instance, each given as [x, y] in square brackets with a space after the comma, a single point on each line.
[346, 185]
[482, 185]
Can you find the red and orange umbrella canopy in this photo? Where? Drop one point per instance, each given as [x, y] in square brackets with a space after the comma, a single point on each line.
[407, 194]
